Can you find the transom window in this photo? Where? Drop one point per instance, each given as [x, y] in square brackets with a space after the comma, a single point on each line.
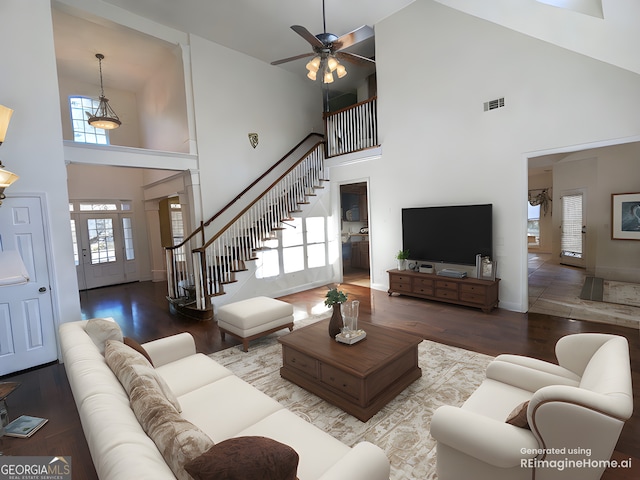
[81, 108]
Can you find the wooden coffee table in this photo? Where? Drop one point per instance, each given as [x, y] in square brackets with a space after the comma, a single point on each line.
[360, 378]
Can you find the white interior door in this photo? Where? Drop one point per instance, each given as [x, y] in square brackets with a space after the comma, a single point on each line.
[106, 255]
[573, 230]
[27, 331]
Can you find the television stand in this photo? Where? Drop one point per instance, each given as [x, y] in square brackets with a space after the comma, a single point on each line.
[471, 292]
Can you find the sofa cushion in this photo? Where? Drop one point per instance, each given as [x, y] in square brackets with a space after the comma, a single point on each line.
[318, 451]
[518, 416]
[237, 404]
[178, 440]
[246, 457]
[130, 342]
[100, 330]
[192, 373]
[131, 367]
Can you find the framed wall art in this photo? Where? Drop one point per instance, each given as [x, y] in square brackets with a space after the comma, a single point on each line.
[625, 216]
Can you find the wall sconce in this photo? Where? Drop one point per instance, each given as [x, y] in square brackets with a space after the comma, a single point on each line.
[6, 177]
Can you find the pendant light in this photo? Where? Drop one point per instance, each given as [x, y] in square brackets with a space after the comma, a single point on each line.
[104, 116]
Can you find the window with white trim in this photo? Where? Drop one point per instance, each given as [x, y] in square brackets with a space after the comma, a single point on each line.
[80, 109]
[316, 242]
[293, 246]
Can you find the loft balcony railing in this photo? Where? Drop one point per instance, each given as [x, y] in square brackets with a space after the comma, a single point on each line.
[352, 129]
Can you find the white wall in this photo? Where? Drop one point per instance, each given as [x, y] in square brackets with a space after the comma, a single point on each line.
[439, 147]
[33, 147]
[235, 95]
[163, 108]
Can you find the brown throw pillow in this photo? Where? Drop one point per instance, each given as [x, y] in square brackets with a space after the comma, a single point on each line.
[518, 416]
[138, 348]
[244, 458]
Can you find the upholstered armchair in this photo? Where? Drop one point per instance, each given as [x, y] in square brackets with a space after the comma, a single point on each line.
[564, 420]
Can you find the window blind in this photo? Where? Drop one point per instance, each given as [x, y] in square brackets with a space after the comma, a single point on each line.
[571, 241]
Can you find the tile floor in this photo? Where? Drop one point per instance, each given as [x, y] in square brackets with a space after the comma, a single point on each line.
[555, 290]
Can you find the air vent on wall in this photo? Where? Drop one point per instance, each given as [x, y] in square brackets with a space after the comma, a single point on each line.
[493, 104]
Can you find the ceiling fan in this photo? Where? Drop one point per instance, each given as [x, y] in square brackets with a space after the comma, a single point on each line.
[328, 50]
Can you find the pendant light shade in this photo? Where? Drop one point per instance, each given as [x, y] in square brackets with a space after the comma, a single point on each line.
[5, 117]
[104, 117]
[6, 177]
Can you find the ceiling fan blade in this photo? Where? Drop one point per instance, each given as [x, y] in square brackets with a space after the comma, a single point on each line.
[353, 58]
[358, 35]
[308, 36]
[291, 59]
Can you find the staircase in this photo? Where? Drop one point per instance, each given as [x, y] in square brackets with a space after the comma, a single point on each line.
[196, 274]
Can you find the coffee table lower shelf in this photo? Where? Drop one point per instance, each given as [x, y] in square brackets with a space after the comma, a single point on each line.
[359, 379]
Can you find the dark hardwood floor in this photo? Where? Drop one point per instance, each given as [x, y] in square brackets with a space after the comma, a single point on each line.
[142, 312]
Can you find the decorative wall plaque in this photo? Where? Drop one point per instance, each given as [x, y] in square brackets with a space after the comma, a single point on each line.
[253, 139]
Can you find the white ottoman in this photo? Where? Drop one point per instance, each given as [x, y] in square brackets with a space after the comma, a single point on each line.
[253, 318]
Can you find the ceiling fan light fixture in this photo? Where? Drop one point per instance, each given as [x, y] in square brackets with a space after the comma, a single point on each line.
[341, 71]
[314, 64]
[332, 63]
[311, 75]
[328, 76]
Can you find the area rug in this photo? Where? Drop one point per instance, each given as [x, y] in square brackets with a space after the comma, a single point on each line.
[599, 290]
[401, 428]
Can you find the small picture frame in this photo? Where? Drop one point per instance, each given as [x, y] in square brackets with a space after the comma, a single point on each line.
[487, 269]
[625, 216]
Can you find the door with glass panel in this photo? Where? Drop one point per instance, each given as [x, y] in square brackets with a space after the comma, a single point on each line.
[104, 249]
[573, 230]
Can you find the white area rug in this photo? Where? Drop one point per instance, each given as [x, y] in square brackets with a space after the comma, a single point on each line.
[401, 428]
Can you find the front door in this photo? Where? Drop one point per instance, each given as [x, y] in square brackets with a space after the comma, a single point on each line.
[573, 230]
[105, 254]
[27, 331]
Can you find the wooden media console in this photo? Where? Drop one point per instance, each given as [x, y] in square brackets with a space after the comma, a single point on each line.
[471, 292]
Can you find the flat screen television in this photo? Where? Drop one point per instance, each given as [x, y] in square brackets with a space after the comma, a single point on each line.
[448, 234]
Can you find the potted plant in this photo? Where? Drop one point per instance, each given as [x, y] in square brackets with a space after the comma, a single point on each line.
[334, 298]
[402, 257]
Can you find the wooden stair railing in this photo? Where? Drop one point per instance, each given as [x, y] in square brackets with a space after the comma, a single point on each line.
[194, 279]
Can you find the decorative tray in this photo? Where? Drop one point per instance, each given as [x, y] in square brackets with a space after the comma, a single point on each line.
[351, 338]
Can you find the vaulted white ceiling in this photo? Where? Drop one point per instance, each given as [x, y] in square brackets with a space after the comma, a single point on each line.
[262, 30]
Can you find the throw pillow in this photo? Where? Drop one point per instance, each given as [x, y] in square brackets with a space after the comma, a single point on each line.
[131, 368]
[138, 348]
[244, 458]
[178, 440]
[100, 330]
[518, 416]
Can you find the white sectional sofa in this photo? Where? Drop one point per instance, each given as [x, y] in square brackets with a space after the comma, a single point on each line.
[211, 397]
